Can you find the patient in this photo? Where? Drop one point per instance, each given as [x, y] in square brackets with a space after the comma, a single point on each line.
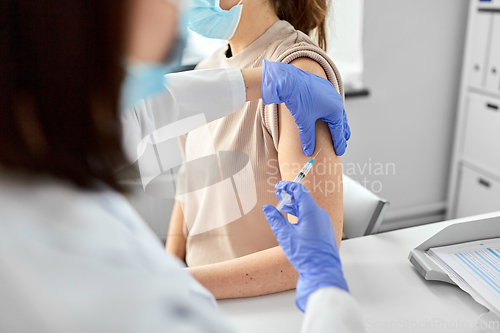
[242, 258]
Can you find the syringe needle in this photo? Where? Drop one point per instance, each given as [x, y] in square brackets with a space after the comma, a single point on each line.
[317, 153]
[285, 197]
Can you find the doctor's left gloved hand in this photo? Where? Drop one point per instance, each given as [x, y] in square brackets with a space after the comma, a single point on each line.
[309, 98]
[309, 245]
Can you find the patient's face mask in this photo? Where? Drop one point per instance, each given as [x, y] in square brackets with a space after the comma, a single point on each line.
[208, 19]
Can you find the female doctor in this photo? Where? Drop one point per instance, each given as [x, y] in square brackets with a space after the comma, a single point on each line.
[74, 257]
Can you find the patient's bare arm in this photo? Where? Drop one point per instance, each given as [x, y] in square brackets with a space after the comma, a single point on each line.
[259, 273]
[253, 82]
[176, 241]
[324, 182]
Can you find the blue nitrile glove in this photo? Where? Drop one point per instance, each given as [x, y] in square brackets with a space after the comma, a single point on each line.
[309, 98]
[309, 245]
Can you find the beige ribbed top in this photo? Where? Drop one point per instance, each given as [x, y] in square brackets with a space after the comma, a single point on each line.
[225, 219]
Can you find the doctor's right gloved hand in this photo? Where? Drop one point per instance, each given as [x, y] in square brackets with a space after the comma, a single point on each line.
[309, 245]
[309, 98]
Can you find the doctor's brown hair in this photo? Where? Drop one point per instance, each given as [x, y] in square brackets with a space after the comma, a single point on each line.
[304, 15]
[59, 84]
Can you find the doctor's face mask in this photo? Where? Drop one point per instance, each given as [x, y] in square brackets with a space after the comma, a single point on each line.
[208, 19]
[146, 79]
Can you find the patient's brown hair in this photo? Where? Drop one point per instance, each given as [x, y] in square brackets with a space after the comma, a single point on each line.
[59, 83]
[304, 15]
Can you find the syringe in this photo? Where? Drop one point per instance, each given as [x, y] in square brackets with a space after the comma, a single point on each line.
[285, 197]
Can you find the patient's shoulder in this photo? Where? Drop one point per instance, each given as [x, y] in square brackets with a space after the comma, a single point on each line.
[300, 50]
[309, 65]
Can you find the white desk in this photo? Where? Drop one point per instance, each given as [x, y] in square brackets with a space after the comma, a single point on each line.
[394, 297]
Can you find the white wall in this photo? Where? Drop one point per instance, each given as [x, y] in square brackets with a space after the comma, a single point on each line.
[345, 39]
[413, 55]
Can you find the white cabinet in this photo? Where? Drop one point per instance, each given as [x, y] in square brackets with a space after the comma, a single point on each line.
[474, 184]
[493, 67]
[477, 66]
[482, 132]
[488, 4]
[484, 62]
[477, 193]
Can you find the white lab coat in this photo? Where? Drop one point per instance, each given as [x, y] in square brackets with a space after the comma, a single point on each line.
[84, 261]
[214, 93]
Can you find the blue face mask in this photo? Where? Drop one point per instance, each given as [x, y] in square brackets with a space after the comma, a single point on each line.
[206, 18]
[146, 80]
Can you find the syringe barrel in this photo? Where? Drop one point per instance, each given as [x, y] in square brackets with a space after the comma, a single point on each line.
[307, 168]
[303, 173]
[300, 177]
[285, 198]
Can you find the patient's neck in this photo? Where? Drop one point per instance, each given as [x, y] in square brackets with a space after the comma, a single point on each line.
[256, 19]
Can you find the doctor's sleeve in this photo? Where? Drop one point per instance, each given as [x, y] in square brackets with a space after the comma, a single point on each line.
[332, 310]
[213, 93]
